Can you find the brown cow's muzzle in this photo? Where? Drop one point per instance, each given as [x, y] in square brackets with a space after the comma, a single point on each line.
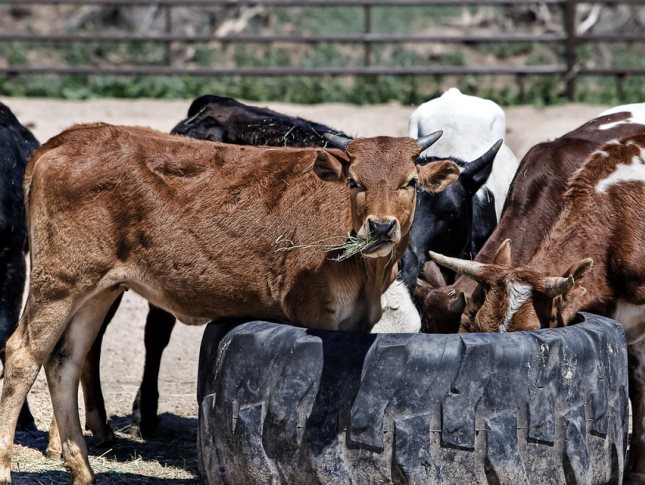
[383, 234]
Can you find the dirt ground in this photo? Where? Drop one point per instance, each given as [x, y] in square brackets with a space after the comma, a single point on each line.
[170, 456]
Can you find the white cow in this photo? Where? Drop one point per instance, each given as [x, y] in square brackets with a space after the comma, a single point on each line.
[470, 126]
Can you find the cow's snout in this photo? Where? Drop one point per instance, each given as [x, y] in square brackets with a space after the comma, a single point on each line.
[381, 229]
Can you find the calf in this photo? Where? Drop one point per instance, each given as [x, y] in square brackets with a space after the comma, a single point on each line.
[470, 125]
[599, 236]
[533, 204]
[16, 146]
[217, 118]
[172, 218]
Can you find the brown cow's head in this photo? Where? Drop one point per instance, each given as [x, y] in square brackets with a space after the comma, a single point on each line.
[442, 305]
[383, 175]
[517, 298]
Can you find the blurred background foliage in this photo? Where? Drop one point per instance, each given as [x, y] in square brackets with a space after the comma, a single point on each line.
[530, 19]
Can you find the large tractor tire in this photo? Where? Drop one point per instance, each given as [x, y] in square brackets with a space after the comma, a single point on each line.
[281, 404]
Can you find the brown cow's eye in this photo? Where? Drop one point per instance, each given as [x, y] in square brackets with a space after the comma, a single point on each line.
[352, 183]
[411, 184]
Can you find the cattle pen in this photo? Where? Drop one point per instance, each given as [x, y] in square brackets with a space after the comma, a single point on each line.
[66, 62]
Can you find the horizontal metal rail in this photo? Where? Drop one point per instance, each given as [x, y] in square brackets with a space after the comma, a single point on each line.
[285, 71]
[315, 39]
[291, 39]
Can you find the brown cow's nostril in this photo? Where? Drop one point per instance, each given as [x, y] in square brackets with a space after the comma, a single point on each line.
[381, 229]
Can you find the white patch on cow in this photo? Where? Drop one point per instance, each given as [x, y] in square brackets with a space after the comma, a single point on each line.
[600, 153]
[399, 313]
[615, 141]
[634, 172]
[518, 294]
[632, 318]
[637, 115]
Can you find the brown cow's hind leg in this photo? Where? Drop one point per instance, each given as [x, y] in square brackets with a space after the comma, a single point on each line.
[38, 331]
[63, 371]
[95, 414]
[54, 450]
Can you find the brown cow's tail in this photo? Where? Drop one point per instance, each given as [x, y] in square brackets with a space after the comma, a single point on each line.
[29, 171]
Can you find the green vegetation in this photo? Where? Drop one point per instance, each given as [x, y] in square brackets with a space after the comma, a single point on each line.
[409, 90]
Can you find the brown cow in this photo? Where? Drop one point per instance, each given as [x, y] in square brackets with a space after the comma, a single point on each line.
[535, 201]
[196, 228]
[602, 219]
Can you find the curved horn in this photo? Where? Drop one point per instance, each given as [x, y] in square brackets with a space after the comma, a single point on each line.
[427, 141]
[338, 141]
[557, 285]
[480, 162]
[461, 266]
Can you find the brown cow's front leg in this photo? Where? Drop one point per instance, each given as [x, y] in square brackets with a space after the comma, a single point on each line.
[95, 413]
[159, 325]
[636, 466]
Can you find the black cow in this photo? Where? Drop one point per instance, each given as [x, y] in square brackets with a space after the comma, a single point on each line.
[17, 144]
[213, 118]
[445, 220]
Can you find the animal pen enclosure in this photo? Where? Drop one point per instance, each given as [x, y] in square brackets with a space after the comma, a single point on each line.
[212, 38]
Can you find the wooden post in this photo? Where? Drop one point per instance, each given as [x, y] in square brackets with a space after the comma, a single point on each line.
[570, 54]
[367, 29]
[168, 30]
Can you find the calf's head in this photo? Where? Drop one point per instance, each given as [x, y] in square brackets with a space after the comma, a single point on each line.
[383, 174]
[519, 298]
[442, 305]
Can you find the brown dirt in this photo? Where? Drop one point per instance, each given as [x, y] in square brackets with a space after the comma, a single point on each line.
[170, 456]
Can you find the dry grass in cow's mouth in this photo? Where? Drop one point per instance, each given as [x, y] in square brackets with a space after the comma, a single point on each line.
[351, 246]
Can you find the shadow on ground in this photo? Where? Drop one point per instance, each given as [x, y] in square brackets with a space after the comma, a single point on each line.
[169, 456]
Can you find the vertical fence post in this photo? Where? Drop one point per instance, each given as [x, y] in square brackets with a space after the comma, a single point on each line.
[168, 30]
[570, 51]
[367, 29]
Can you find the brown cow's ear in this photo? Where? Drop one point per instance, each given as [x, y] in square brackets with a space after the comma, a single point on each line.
[329, 167]
[503, 256]
[437, 176]
[579, 269]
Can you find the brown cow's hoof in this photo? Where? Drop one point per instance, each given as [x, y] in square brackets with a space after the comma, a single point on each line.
[5, 476]
[54, 454]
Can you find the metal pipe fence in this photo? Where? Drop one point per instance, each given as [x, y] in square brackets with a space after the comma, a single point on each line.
[567, 39]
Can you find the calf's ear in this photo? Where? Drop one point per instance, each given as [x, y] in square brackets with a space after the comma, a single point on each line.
[329, 167]
[437, 176]
[432, 274]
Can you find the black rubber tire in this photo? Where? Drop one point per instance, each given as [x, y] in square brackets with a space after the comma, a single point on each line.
[280, 404]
